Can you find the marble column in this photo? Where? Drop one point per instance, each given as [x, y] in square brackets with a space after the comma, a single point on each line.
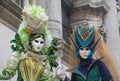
[53, 10]
[54, 13]
[113, 37]
[26, 2]
[34, 2]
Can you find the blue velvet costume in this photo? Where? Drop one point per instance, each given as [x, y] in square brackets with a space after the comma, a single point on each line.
[91, 71]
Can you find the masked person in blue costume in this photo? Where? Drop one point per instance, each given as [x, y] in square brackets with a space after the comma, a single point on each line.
[88, 69]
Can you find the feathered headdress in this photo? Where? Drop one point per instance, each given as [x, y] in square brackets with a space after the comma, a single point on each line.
[34, 20]
[85, 37]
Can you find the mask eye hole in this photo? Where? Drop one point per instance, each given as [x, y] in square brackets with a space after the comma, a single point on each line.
[42, 42]
[81, 48]
[87, 48]
[36, 41]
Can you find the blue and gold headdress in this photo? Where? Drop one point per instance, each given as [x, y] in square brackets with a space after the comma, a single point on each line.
[85, 37]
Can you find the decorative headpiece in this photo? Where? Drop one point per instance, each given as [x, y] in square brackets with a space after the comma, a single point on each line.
[34, 13]
[85, 37]
[36, 35]
[34, 21]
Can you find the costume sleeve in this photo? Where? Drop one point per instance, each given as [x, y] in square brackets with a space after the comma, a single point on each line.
[73, 78]
[67, 79]
[58, 73]
[105, 74]
[10, 70]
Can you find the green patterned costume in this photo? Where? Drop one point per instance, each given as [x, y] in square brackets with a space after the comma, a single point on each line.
[30, 67]
[31, 64]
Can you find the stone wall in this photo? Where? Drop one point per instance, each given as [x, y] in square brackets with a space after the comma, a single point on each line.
[53, 10]
[6, 35]
[91, 13]
[113, 37]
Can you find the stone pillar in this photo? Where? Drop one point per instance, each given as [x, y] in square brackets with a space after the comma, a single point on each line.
[26, 2]
[34, 2]
[113, 38]
[53, 10]
[118, 11]
[6, 35]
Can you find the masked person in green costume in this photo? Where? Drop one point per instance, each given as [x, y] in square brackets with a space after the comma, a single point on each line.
[33, 50]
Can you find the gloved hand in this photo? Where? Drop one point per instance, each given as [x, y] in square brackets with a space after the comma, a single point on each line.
[59, 73]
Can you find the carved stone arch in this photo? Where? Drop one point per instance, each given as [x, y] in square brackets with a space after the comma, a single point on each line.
[92, 11]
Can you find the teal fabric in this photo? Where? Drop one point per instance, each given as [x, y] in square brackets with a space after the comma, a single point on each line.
[93, 75]
[80, 40]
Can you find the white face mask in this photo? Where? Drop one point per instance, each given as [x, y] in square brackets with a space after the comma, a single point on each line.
[84, 52]
[38, 44]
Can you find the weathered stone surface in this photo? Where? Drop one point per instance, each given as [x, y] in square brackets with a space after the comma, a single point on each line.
[68, 53]
[113, 36]
[10, 18]
[11, 13]
[92, 3]
[6, 35]
[53, 10]
[89, 15]
[12, 7]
